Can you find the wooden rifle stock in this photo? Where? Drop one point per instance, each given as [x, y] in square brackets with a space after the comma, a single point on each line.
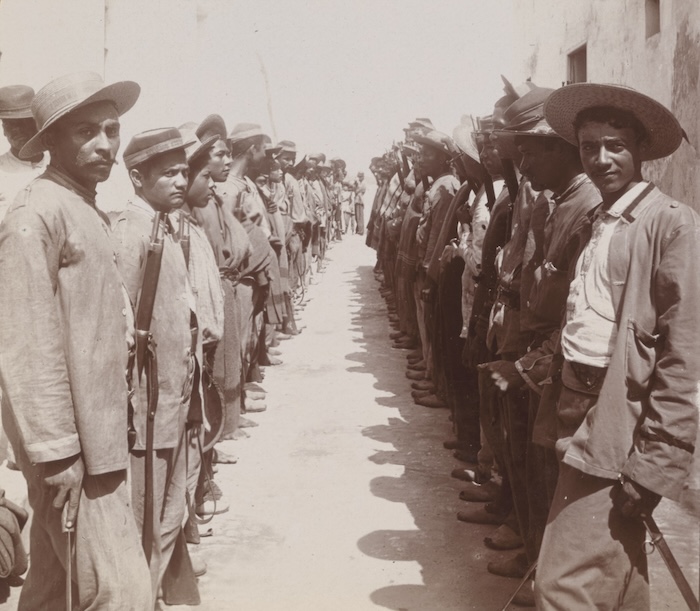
[149, 285]
[184, 236]
[146, 360]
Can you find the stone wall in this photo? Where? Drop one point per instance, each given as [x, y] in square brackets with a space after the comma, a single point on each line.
[665, 66]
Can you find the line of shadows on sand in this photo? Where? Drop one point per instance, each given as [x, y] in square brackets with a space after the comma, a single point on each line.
[451, 555]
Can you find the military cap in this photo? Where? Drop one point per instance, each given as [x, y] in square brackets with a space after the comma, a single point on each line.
[149, 144]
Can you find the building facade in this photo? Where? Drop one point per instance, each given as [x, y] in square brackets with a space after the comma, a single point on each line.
[651, 45]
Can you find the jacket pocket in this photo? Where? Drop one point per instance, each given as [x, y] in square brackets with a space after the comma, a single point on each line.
[641, 355]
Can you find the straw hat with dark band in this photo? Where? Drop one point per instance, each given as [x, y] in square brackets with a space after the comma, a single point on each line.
[664, 132]
[72, 91]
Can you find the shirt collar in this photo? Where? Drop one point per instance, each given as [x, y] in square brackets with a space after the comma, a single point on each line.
[61, 178]
[574, 184]
[619, 207]
[141, 204]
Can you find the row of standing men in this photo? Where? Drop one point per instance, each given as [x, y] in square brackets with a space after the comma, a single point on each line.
[133, 343]
[547, 294]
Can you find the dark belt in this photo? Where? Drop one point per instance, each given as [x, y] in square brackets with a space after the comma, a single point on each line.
[591, 377]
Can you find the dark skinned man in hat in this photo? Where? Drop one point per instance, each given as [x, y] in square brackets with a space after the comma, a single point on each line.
[66, 320]
[621, 410]
[551, 165]
[19, 127]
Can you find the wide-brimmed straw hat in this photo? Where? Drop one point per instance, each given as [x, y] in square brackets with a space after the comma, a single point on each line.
[465, 139]
[664, 132]
[287, 146]
[524, 117]
[195, 146]
[72, 91]
[212, 125]
[16, 102]
[438, 141]
[243, 131]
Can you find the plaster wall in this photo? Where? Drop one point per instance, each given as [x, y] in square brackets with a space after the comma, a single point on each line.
[665, 66]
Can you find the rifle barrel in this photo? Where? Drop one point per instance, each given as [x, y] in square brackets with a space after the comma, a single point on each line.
[659, 542]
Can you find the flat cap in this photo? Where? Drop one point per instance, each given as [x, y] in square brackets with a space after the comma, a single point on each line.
[16, 102]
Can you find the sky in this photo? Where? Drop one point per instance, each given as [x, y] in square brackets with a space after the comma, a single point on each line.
[345, 77]
[341, 77]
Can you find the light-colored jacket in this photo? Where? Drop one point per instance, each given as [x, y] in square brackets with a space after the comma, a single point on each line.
[63, 329]
[170, 324]
[645, 422]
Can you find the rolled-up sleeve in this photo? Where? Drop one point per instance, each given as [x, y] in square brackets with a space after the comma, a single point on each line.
[33, 365]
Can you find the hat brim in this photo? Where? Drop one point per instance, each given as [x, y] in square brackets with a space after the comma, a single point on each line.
[432, 144]
[23, 113]
[123, 94]
[203, 147]
[504, 140]
[212, 124]
[664, 132]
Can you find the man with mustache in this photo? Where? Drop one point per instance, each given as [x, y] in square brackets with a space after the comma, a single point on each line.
[158, 170]
[18, 127]
[65, 324]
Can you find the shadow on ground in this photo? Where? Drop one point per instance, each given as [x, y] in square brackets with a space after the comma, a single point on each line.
[451, 555]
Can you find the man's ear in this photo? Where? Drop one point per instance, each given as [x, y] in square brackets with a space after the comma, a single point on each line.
[136, 177]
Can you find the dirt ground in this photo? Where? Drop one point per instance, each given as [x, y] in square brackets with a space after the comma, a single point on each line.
[342, 497]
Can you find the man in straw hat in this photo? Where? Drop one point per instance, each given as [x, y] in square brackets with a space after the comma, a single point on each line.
[622, 409]
[158, 170]
[18, 127]
[63, 362]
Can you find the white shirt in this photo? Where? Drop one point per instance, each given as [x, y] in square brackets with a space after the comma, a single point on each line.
[590, 331]
[15, 174]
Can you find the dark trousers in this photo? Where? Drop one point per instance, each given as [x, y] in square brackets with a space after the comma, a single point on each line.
[459, 385]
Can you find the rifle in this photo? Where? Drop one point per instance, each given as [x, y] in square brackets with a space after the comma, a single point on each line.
[511, 180]
[184, 237]
[658, 542]
[146, 360]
